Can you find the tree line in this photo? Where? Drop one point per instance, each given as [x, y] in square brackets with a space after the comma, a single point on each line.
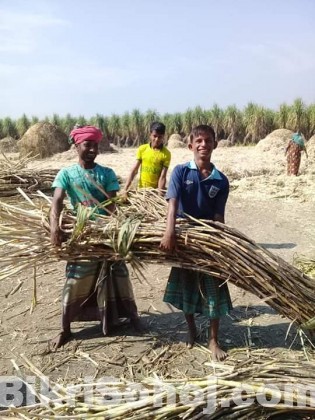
[239, 126]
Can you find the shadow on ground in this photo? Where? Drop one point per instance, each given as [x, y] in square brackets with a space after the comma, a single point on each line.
[241, 328]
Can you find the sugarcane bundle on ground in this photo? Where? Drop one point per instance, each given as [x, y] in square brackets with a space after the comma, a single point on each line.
[134, 234]
[27, 179]
[258, 387]
[15, 175]
[307, 265]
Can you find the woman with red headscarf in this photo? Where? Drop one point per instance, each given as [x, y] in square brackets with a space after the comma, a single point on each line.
[93, 290]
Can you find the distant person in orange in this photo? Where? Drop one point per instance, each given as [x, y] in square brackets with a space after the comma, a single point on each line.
[153, 159]
[293, 152]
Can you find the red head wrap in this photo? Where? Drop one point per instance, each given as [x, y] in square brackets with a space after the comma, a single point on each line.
[87, 133]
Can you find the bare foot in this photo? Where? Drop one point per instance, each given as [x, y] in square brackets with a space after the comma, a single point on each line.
[137, 325]
[191, 337]
[218, 355]
[61, 339]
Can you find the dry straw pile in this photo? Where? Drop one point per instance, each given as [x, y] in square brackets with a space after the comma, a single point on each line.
[8, 145]
[275, 142]
[224, 143]
[134, 234]
[259, 387]
[175, 141]
[43, 140]
[310, 147]
[14, 175]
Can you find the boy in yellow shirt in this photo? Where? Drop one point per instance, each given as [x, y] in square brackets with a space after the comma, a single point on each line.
[154, 159]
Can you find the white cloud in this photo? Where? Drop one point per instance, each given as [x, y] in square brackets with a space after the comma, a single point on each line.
[19, 31]
[13, 20]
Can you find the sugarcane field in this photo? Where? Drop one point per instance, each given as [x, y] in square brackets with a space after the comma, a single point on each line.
[265, 253]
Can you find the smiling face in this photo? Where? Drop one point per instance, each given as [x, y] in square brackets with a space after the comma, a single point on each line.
[87, 151]
[202, 145]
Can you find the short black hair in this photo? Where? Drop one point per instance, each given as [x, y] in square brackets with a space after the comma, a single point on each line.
[202, 128]
[158, 127]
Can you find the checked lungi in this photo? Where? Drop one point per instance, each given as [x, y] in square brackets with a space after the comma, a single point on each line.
[196, 292]
[97, 291]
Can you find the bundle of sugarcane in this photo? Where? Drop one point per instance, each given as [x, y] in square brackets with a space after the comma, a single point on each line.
[307, 265]
[30, 180]
[260, 387]
[14, 165]
[134, 234]
[14, 175]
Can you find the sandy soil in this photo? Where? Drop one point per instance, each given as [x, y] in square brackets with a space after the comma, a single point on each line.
[271, 208]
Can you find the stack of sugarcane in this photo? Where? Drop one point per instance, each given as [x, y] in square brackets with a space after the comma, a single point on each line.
[307, 265]
[134, 234]
[259, 387]
[14, 175]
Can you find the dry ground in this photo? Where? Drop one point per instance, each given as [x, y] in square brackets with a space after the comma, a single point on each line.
[271, 208]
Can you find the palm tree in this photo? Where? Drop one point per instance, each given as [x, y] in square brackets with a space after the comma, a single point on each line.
[176, 123]
[1, 129]
[150, 116]
[68, 123]
[167, 119]
[81, 120]
[282, 116]
[137, 127]
[114, 127]
[9, 128]
[198, 116]
[100, 122]
[208, 117]
[188, 121]
[258, 122]
[232, 123]
[217, 117]
[310, 117]
[56, 120]
[22, 125]
[34, 119]
[297, 117]
[126, 129]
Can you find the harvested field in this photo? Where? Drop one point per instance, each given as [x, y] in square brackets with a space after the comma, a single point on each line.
[270, 208]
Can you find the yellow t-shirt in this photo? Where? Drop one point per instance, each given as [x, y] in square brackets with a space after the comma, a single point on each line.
[152, 163]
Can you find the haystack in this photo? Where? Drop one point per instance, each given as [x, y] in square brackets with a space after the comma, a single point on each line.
[43, 140]
[8, 145]
[104, 146]
[276, 141]
[224, 143]
[175, 141]
[310, 147]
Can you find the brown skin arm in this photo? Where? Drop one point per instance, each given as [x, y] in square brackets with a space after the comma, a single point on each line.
[162, 181]
[132, 174]
[56, 209]
[168, 242]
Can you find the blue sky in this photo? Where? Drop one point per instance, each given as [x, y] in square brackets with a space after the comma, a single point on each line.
[111, 56]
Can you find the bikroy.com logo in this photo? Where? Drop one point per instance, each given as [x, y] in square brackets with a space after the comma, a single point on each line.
[111, 391]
